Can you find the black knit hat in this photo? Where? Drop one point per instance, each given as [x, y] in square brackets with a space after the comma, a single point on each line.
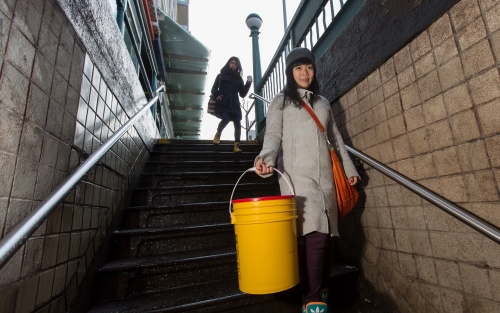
[299, 53]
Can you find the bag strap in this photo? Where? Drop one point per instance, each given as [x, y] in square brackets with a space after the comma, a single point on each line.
[318, 123]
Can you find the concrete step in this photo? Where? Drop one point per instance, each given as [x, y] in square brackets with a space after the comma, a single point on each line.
[200, 178]
[136, 276]
[181, 166]
[223, 296]
[171, 156]
[188, 214]
[203, 193]
[205, 145]
[158, 241]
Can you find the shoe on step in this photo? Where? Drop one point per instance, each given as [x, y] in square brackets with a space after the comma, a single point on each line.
[315, 307]
[217, 138]
[236, 148]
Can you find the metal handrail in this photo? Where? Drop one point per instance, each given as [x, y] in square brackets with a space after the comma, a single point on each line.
[26, 227]
[478, 224]
[256, 96]
[248, 124]
[461, 214]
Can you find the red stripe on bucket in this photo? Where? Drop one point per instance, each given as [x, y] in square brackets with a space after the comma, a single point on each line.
[263, 199]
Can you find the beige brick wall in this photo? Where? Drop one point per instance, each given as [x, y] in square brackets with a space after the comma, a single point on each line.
[56, 107]
[431, 112]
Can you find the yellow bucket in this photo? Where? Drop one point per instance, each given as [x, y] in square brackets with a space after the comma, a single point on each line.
[266, 242]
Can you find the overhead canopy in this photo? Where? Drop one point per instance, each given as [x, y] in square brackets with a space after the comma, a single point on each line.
[186, 65]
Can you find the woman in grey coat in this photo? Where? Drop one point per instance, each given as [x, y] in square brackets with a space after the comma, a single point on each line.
[295, 145]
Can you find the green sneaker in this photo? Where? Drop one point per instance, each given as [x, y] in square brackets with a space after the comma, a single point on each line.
[315, 307]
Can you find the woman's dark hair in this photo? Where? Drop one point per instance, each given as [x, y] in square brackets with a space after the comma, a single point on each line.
[238, 65]
[290, 89]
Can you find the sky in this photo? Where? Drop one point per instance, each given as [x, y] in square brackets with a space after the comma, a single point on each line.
[220, 26]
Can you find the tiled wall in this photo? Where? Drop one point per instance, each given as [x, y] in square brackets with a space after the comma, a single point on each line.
[431, 112]
[56, 108]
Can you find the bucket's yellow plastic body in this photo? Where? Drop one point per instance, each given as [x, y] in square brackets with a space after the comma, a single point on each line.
[266, 243]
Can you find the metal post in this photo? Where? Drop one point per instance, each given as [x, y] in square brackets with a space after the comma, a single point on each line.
[254, 22]
[284, 15]
[259, 106]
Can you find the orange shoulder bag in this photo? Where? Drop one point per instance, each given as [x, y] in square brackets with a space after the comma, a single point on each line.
[347, 195]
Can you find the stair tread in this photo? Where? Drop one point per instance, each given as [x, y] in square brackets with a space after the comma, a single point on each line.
[205, 162]
[196, 152]
[166, 259]
[158, 230]
[219, 186]
[201, 142]
[182, 299]
[194, 173]
[179, 206]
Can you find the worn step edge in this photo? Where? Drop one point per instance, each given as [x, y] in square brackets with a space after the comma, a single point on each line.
[175, 230]
[180, 300]
[188, 175]
[207, 142]
[184, 206]
[146, 262]
[193, 173]
[205, 152]
[218, 293]
[204, 163]
[218, 188]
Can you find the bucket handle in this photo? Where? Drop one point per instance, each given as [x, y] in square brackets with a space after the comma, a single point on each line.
[253, 169]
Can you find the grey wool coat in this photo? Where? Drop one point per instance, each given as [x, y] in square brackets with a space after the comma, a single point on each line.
[294, 145]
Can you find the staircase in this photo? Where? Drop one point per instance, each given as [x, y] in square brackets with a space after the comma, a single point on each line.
[176, 250]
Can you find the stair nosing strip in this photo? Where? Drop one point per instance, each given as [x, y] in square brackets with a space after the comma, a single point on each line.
[204, 186]
[105, 269]
[192, 173]
[160, 230]
[173, 206]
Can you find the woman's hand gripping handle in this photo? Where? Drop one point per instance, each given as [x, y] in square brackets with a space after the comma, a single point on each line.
[262, 169]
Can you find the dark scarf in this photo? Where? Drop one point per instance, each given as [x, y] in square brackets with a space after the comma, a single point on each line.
[230, 72]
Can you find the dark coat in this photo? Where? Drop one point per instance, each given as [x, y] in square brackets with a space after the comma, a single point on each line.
[231, 85]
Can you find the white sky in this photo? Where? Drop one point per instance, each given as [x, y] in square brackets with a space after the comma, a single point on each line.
[220, 26]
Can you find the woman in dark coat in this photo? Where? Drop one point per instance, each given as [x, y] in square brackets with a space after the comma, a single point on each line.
[228, 88]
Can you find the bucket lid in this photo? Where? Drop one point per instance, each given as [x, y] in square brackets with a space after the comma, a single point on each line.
[263, 199]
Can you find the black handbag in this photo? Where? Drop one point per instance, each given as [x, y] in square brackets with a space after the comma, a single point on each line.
[212, 104]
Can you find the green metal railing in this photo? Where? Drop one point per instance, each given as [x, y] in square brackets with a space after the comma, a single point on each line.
[315, 25]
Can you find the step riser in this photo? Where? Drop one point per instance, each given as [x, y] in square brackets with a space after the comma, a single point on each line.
[144, 245]
[186, 179]
[176, 157]
[254, 304]
[165, 218]
[196, 167]
[282, 302]
[157, 279]
[202, 194]
[208, 148]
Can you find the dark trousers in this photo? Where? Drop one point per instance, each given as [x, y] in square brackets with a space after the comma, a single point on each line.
[315, 261]
[225, 118]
